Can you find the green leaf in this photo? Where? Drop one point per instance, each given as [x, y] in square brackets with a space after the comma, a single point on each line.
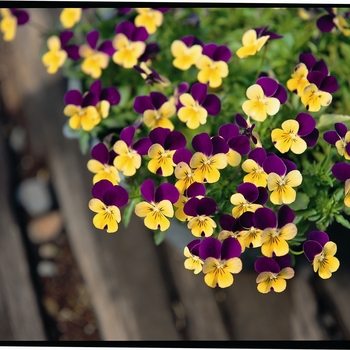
[159, 236]
[125, 92]
[301, 202]
[341, 220]
[84, 142]
[327, 121]
[128, 211]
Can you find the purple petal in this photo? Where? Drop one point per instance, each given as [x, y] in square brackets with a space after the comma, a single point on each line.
[331, 137]
[228, 222]
[260, 31]
[110, 94]
[65, 36]
[199, 92]
[274, 164]
[92, 38]
[212, 104]
[311, 139]
[240, 144]
[117, 195]
[194, 247]
[158, 99]
[210, 248]
[182, 155]
[162, 9]
[175, 140]
[202, 143]
[219, 145]
[222, 53]
[190, 207]
[273, 36]
[124, 10]
[167, 191]
[265, 264]
[341, 171]
[127, 135]
[159, 135]
[341, 129]
[319, 236]
[73, 52]
[142, 146]
[306, 123]
[73, 97]
[100, 152]
[249, 191]
[188, 40]
[289, 164]
[246, 219]
[209, 50]
[90, 99]
[321, 66]
[183, 87]
[258, 155]
[100, 188]
[231, 248]
[142, 103]
[206, 206]
[285, 216]
[269, 85]
[241, 121]
[147, 190]
[263, 196]
[96, 87]
[125, 28]
[281, 94]
[329, 84]
[264, 217]
[228, 130]
[283, 261]
[308, 59]
[139, 34]
[21, 15]
[311, 248]
[325, 23]
[107, 47]
[195, 189]
[315, 77]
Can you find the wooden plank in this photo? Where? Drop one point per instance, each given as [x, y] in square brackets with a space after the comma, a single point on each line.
[19, 312]
[121, 271]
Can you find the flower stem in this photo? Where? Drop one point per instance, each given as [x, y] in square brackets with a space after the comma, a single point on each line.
[296, 253]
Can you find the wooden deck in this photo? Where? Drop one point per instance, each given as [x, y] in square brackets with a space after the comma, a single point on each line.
[139, 291]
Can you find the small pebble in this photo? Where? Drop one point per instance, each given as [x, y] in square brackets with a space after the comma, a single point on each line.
[47, 268]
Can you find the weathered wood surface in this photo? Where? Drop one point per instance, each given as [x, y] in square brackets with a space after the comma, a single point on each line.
[140, 291]
[19, 312]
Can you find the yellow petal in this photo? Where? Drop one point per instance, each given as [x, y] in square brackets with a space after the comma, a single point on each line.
[261, 42]
[288, 231]
[95, 166]
[233, 158]
[234, 265]
[96, 205]
[293, 178]
[272, 105]
[246, 51]
[70, 110]
[249, 37]
[255, 92]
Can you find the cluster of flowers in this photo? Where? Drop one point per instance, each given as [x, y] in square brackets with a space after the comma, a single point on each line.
[181, 171]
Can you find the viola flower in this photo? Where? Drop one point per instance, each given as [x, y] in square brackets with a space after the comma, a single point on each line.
[210, 156]
[276, 231]
[183, 171]
[196, 190]
[186, 51]
[70, 16]
[193, 261]
[11, 18]
[158, 206]
[149, 18]
[251, 235]
[247, 129]
[151, 76]
[220, 261]
[231, 227]
[198, 105]
[341, 171]
[106, 203]
[156, 110]
[178, 91]
[239, 145]
[265, 98]
[281, 180]
[331, 20]
[128, 154]
[150, 53]
[129, 44]
[340, 138]
[164, 145]
[273, 273]
[55, 57]
[253, 40]
[213, 64]
[255, 168]
[81, 110]
[319, 250]
[296, 135]
[71, 49]
[101, 165]
[248, 198]
[200, 210]
[95, 58]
